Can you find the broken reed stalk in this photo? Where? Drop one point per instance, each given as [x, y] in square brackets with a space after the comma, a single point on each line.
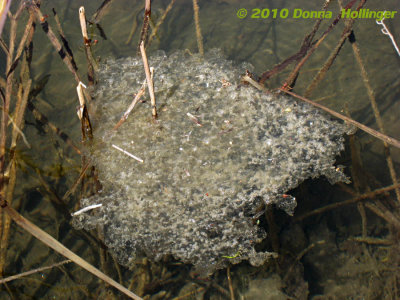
[293, 75]
[306, 44]
[329, 62]
[134, 102]
[198, 29]
[56, 43]
[8, 173]
[380, 210]
[88, 49]
[159, 23]
[61, 249]
[42, 119]
[378, 135]
[228, 275]
[150, 84]
[377, 115]
[18, 276]
[145, 27]
[64, 39]
[364, 196]
[101, 11]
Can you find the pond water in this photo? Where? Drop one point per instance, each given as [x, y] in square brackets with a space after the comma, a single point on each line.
[319, 256]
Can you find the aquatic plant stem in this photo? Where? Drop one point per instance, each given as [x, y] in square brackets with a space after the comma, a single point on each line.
[18, 276]
[198, 29]
[61, 249]
[150, 84]
[228, 275]
[88, 49]
[368, 195]
[7, 173]
[133, 103]
[378, 135]
[375, 109]
[159, 22]
[145, 27]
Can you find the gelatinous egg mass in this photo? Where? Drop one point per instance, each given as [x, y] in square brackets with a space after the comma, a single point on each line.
[217, 151]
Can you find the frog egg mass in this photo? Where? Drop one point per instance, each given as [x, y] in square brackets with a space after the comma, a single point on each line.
[218, 151]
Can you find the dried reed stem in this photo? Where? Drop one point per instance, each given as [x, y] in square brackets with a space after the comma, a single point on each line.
[81, 99]
[384, 213]
[75, 185]
[61, 134]
[7, 175]
[145, 27]
[228, 275]
[150, 84]
[307, 42]
[101, 11]
[160, 21]
[329, 62]
[379, 122]
[88, 49]
[64, 39]
[133, 104]
[293, 75]
[56, 43]
[134, 26]
[61, 249]
[378, 135]
[368, 195]
[198, 29]
[18, 276]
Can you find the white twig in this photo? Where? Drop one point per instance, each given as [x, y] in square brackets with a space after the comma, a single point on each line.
[79, 90]
[149, 80]
[82, 20]
[194, 119]
[127, 153]
[85, 209]
[386, 31]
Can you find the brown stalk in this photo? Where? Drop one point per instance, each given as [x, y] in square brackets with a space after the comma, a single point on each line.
[198, 29]
[371, 95]
[56, 43]
[8, 174]
[378, 135]
[329, 62]
[307, 42]
[228, 275]
[88, 49]
[61, 249]
[64, 40]
[384, 213]
[369, 195]
[101, 11]
[128, 111]
[75, 185]
[42, 119]
[159, 23]
[145, 27]
[293, 75]
[134, 26]
[28, 29]
[18, 276]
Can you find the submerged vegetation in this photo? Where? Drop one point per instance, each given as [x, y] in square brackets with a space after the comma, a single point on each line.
[340, 238]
